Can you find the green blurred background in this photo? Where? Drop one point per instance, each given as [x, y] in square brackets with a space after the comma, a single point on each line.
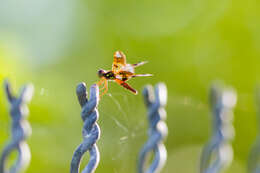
[56, 44]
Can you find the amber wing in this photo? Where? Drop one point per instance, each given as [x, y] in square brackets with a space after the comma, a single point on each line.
[119, 61]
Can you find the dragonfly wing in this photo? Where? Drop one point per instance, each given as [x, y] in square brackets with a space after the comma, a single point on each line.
[119, 61]
[127, 86]
[139, 64]
[128, 68]
[141, 75]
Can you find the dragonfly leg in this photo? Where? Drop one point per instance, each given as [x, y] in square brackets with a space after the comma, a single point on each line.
[103, 86]
[100, 82]
[104, 89]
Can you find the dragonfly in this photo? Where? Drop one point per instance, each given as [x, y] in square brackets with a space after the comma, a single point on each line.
[121, 72]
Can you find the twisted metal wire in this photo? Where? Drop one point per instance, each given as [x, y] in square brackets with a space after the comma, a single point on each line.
[20, 129]
[91, 130]
[155, 101]
[254, 156]
[218, 153]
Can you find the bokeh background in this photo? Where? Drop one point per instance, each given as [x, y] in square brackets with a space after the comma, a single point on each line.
[56, 44]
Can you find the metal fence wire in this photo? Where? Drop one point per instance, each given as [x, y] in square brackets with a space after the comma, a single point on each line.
[91, 130]
[254, 155]
[155, 101]
[20, 130]
[218, 153]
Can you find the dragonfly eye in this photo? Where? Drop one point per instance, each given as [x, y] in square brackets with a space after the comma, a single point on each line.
[101, 73]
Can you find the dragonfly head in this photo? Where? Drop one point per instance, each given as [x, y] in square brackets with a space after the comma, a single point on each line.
[101, 73]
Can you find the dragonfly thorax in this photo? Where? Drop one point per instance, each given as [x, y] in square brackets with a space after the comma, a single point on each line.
[109, 75]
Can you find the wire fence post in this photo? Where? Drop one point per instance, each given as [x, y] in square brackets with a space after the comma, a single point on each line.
[20, 130]
[254, 156]
[155, 100]
[218, 153]
[91, 130]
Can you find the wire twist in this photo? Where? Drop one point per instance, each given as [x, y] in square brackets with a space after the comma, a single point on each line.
[155, 101]
[254, 156]
[91, 130]
[20, 130]
[218, 153]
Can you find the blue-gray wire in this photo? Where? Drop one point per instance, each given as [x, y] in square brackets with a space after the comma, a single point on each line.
[20, 130]
[254, 156]
[155, 100]
[218, 153]
[90, 132]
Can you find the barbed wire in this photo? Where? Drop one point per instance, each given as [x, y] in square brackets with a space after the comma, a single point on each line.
[254, 156]
[155, 100]
[218, 153]
[91, 130]
[20, 130]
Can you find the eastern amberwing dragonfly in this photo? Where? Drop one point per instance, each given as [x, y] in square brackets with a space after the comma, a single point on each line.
[120, 73]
